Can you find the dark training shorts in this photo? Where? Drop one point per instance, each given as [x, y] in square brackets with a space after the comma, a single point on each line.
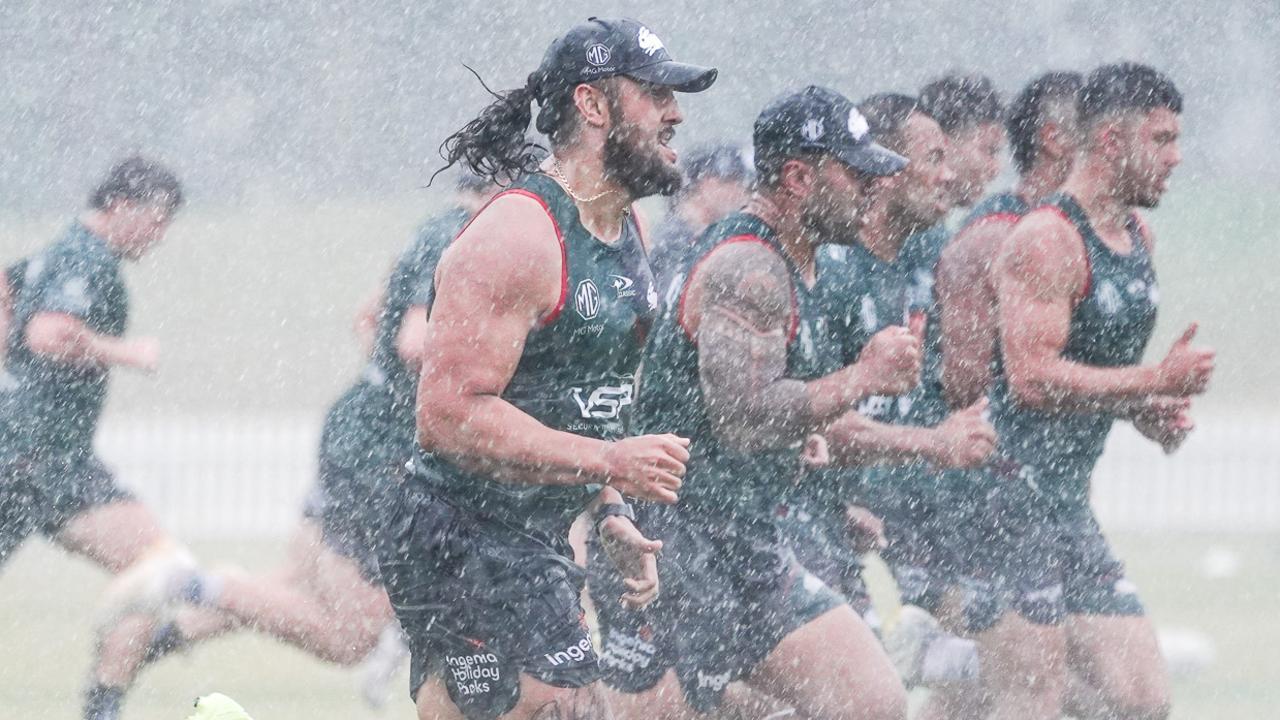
[351, 506]
[1044, 561]
[42, 495]
[822, 545]
[730, 594]
[481, 605]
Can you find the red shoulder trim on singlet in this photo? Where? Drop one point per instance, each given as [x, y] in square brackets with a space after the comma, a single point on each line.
[1006, 217]
[684, 291]
[564, 253]
[1088, 265]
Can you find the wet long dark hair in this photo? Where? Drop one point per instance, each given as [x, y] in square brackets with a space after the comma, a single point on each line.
[496, 145]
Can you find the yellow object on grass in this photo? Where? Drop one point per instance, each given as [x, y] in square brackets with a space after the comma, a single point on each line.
[217, 706]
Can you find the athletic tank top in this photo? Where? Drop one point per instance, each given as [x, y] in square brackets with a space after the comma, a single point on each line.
[1055, 452]
[576, 374]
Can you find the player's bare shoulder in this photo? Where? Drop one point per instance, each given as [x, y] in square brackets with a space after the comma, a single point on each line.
[1044, 255]
[512, 246]
[746, 277]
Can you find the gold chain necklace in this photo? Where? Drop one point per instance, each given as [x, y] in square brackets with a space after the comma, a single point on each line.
[559, 173]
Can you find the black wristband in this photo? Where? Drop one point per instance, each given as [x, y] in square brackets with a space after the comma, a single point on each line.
[607, 510]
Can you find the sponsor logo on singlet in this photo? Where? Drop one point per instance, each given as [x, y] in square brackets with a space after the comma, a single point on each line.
[586, 299]
[603, 403]
[624, 286]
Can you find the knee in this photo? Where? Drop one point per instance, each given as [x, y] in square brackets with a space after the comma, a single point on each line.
[879, 701]
[887, 702]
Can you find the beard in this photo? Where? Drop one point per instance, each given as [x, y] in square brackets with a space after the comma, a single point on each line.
[637, 164]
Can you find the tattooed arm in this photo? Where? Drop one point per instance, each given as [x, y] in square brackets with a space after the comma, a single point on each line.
[739, 309]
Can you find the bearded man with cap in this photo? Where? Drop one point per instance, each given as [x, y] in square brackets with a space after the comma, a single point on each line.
[542, 305]
[742, 364]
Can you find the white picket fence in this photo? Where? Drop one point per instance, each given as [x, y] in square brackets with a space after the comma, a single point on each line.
[245, 477]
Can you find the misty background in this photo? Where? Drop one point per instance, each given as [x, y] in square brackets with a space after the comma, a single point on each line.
[306, 132]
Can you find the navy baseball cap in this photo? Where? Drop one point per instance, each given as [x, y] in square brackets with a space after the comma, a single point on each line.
[600, 48]
[818, 119]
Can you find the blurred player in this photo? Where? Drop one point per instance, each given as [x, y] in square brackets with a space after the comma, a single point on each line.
[873, 283]
[541, 311]
[328, 600]
[742, 364]
[70, 310]
[717, 181]
[1077, 298]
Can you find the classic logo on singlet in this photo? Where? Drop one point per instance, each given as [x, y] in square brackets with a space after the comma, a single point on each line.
[624, 286]
[472, 674]
[598, 54]
[586, 299]
[649, 42]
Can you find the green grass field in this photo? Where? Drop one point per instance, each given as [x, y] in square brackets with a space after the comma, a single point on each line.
[46, 599]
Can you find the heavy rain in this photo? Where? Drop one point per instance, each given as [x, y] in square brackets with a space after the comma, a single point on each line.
[916, 361]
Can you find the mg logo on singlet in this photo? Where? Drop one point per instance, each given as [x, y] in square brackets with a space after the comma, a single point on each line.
[586, 300]
[598, 54]
[603, 403]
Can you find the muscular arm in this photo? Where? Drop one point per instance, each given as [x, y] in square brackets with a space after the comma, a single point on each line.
[855, 439]
[67, 339]
[1041, 272]
[739, 306]
[967, 299]
[497, 282]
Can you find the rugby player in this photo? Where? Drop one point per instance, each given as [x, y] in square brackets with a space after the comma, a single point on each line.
[743, 364]
[70, 311]
[328, 600]
[1077, 298]
[541, 310]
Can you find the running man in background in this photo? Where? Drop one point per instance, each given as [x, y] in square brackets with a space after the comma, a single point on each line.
[717, 181]
[328, 600]
[70, 313]
[541, 311]
[1077, 298]
[867, 285]
[742, 364]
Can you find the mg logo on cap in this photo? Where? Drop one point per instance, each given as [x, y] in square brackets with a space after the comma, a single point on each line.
[586, 299]
[598, 54]
[812, 129]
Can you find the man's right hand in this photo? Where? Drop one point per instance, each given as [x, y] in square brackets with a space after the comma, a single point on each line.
[648, 467]
[1187, 369]
[891, 359]
[965, 439]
